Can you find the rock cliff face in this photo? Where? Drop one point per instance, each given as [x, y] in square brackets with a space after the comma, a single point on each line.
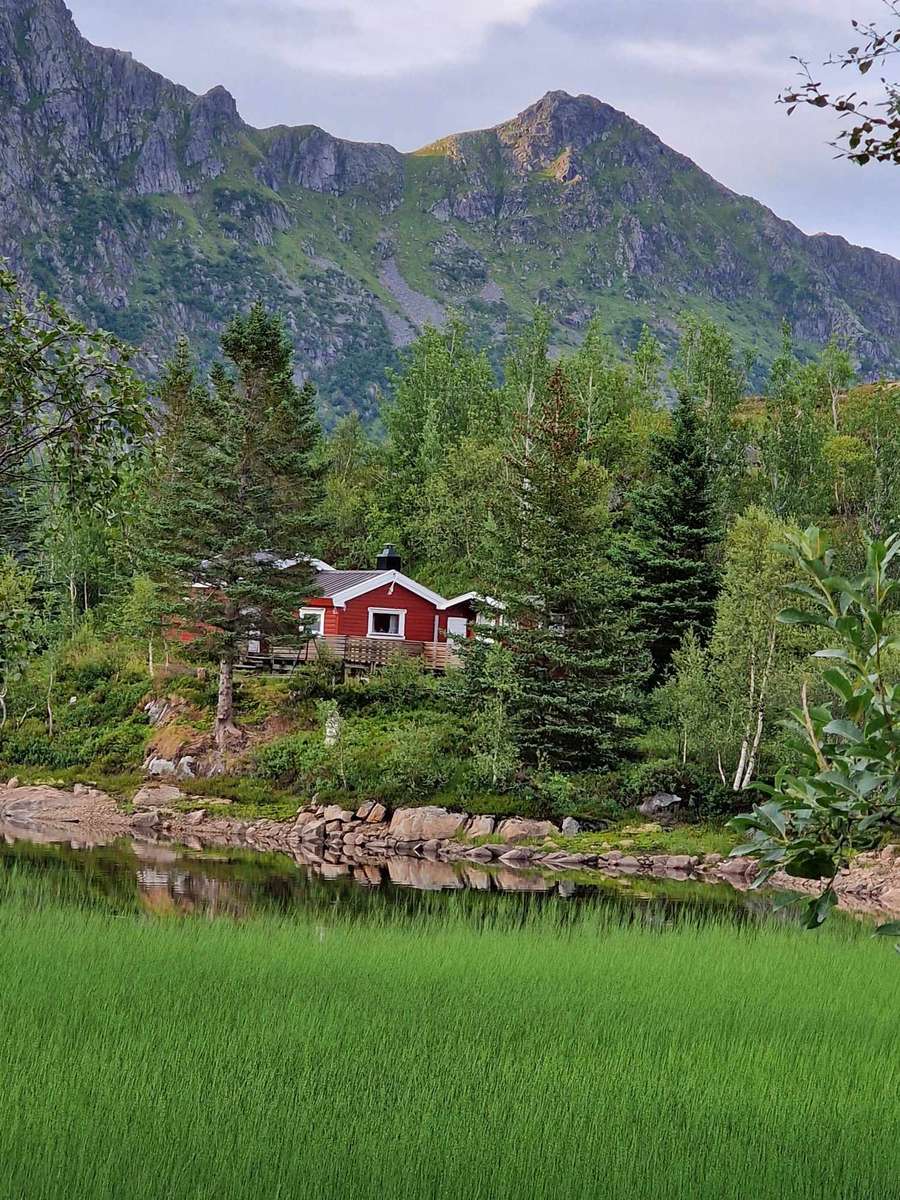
[154, 211]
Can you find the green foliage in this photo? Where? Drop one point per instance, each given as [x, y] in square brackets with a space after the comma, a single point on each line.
[235, 495]
[672, 534]
[67, 397]
[841, 791]
[565, 621]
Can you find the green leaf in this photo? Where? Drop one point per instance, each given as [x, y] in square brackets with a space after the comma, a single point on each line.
[811, 864]
[794, 616]
[889, 929]
[818, 908]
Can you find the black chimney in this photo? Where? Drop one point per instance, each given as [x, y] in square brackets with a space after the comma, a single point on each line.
[388, 559]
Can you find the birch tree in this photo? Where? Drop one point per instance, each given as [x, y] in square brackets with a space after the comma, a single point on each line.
[752, 657]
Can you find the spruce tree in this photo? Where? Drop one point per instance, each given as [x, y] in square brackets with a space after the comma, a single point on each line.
[237, 493]
[672, 534]
[565, 620]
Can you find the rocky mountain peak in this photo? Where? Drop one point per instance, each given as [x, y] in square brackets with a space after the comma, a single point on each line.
[555, 124]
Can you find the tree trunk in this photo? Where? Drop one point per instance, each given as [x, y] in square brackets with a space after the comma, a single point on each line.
[225, 705]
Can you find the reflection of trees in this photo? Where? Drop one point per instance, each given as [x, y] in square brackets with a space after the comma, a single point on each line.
[237, 883]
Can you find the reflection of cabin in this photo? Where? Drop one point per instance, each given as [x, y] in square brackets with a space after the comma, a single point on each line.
[364, 618]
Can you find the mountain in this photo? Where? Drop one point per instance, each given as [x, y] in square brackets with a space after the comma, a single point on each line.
[153, 211]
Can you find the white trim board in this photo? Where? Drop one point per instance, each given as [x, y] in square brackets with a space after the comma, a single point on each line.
[387, 579]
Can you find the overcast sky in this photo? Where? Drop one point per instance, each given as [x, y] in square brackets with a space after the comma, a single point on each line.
[703, 74]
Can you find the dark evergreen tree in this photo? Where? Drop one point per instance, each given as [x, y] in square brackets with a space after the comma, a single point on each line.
[566, 628]
[237, 493]
[672, 535]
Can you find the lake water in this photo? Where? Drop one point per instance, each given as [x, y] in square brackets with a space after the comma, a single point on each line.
[167, 879]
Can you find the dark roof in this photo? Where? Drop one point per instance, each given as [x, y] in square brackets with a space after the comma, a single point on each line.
[329, 583]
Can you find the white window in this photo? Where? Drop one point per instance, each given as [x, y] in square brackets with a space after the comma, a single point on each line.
[387, 622]
[312, 621]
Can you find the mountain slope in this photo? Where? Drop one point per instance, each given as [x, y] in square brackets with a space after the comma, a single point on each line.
[154, 211]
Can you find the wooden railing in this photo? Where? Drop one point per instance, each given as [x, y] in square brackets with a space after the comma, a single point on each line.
[353, 652]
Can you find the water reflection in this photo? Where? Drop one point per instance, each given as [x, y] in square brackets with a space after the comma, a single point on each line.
[165, 879]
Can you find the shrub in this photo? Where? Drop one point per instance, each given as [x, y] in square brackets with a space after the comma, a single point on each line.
[705, 794]
[298, 759]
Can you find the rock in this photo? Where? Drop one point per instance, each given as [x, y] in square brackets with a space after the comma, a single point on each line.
[519, 855]
[364, 809]
[517, 830]
[157, 795]
[627, 863]
[148, 819]
[712, 859]
[334, 812]
[480, 827]
[197, 817]
[661, 804]
[377, 813]
[160, 766]
[421, 824]
[480, 854]
[79, 789]
[680, 862]
[736, 866]
[570, 826]
[185, 768]
[314, 831]
[13, 782]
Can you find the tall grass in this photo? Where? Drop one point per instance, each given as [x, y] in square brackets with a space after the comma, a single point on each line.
[558, 1053]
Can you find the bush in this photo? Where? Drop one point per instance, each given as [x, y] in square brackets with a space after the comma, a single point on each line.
[299, 759]
[705, 794]
[400, 685]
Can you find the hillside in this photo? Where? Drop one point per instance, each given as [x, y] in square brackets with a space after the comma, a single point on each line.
[152, 211]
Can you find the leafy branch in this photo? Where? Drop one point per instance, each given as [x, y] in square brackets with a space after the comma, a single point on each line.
[843, 792]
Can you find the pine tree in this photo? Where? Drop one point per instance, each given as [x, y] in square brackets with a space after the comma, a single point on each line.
[672, 534]
[236, 495]
[565, 625]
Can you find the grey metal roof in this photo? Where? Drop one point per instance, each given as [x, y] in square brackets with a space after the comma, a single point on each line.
[329, 583]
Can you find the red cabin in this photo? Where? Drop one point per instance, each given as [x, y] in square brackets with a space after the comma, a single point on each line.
[367, 617]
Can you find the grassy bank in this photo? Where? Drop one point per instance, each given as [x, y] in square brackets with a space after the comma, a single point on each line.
[470, 1053]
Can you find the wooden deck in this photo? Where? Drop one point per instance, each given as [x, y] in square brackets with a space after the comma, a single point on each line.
[358, 654]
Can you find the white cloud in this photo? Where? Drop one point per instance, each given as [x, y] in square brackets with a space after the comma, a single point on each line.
[383, 38]
[744, 56]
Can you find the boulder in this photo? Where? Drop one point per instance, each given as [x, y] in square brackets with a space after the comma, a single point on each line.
[376, 814]
[160, 766]
[197, 817]
[13, 782]
[186, 767]
[156, 795]
[148, 819]
[480, 827]
[334, 812]
[517, 830]
[423, 824]
[662, 804]
[364, 809]
[570, 826]
[680, 862]
[521, 854]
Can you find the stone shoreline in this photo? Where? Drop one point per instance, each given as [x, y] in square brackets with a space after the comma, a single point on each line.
[328, 836]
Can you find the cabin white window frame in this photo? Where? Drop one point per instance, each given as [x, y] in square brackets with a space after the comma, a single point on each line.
[307, 626]
[399, 613]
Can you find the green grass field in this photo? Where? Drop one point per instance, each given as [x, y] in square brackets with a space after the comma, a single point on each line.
[474, 1052]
